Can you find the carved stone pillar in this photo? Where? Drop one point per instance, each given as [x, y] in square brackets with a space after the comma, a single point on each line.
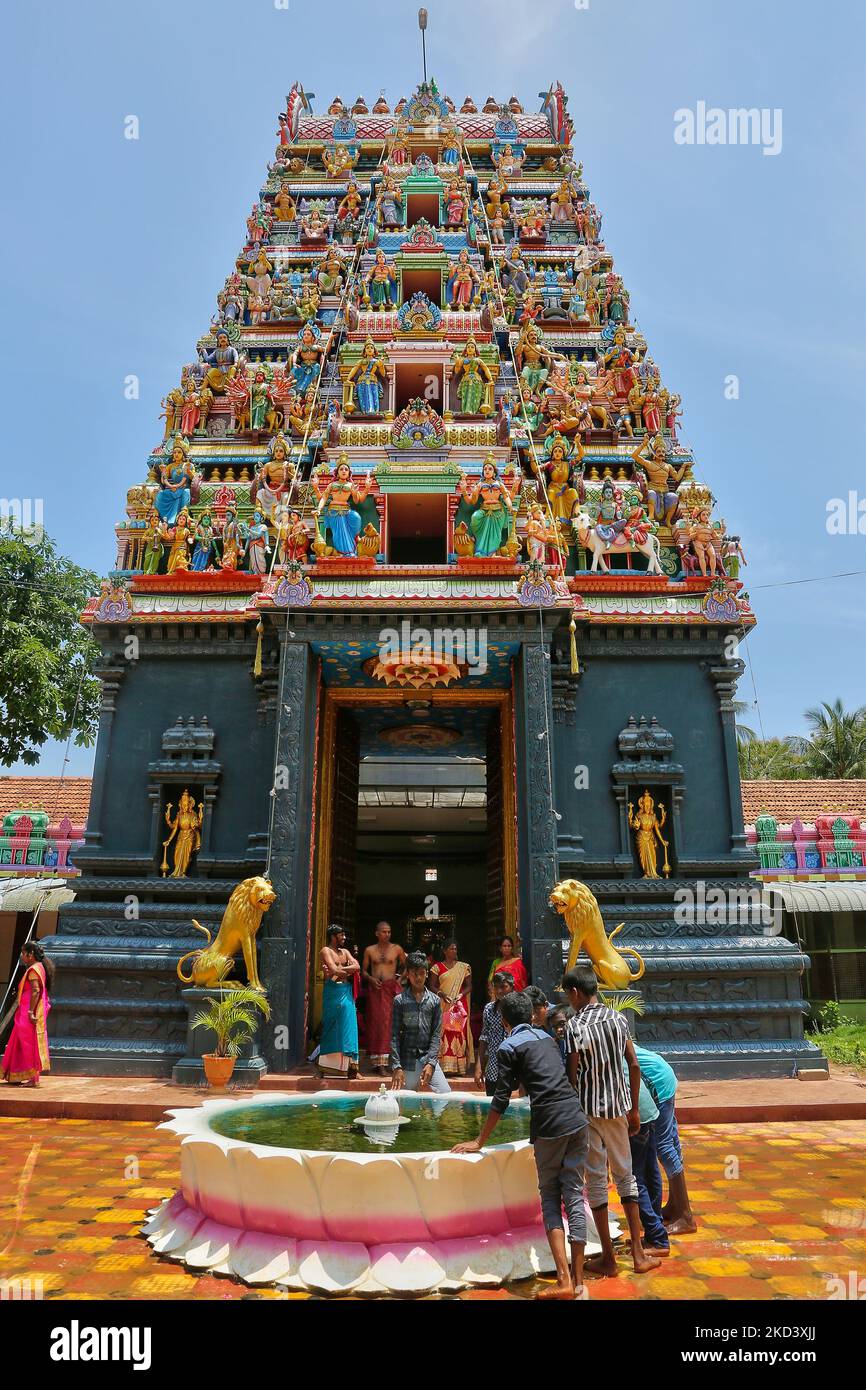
[538, 869]
[284, 930]
[725, 677]
[112, 678]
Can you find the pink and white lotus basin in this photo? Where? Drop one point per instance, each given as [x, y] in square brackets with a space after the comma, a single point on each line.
[376, 1222]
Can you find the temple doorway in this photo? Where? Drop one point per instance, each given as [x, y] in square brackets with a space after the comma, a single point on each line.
[415, 824]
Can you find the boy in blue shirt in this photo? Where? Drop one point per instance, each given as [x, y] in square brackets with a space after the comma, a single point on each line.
[644, 1164]
[662, 1082]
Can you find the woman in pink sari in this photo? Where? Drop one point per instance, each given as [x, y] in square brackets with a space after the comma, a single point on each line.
[26, 1055]
[451, 979]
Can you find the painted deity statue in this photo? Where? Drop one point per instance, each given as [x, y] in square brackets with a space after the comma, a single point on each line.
[560, 492]
[232, 540]
[257, 548]
[476, 380]
[179, 537]
[338, 160]
[285, 207]
[648, 834]
[221, 364]
[651, 458]
[456, 204]
[611, 520]
[366, 381]
[462, 281]
[185, 829]
[274, 479]
[307, 358]
[493, 512]
[263, 406]
[619, 363]
[733, 556]
[562, 203]
[292, 539]
[533, 360]
[203, 543]
[538, 537]
[703, 539]
[389, 203]
[350, 204]
[509, 163]
[331, 272]
[151, 553]
[496, 191]
[176, 479]
[378, 281]
[335, 513]
[590, 409]
[450, 148]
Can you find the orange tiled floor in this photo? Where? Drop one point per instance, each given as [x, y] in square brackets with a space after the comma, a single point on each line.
[782, 1208]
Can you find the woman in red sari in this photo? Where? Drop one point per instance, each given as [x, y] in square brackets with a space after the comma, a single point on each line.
[451, 978]
[507, 960]
[26, 1055]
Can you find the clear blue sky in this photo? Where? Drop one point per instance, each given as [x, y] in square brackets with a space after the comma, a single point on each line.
[737, 263]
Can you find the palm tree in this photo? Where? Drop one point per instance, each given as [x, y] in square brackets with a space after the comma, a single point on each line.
[744, 733]
[836, 746]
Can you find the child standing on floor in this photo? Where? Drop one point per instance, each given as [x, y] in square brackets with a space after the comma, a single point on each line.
[661, 1079]
[644, 1165]
[492, 1033]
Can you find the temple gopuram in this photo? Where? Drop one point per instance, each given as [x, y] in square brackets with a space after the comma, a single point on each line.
[420, 607]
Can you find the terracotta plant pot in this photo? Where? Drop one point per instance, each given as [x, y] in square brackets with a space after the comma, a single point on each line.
[218, 1070]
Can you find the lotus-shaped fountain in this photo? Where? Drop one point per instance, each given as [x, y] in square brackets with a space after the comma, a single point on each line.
[290, 1190]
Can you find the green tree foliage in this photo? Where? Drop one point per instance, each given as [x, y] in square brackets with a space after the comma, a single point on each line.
[46, 657]
[836, 746]
[772, 757]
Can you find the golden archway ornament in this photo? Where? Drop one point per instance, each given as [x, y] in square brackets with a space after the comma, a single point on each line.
[579, 907]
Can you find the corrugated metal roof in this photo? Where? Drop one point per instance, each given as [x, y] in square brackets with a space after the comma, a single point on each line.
[46, 894]
[820, 897]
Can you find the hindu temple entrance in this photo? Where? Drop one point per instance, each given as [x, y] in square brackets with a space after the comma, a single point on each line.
[416, 823]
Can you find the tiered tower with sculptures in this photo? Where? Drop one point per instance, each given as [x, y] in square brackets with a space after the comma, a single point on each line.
[422, 398]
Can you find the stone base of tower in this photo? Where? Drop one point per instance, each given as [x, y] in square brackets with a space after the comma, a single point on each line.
[719, 999]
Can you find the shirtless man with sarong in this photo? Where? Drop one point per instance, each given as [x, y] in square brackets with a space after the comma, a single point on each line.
[384, 962]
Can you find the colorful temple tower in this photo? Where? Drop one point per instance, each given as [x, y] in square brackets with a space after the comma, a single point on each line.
[421, 539]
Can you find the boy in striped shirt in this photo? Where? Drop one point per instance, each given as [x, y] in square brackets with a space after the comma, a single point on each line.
[598, 1045]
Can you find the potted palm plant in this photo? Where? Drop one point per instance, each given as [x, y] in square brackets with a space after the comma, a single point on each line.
[232, 1019]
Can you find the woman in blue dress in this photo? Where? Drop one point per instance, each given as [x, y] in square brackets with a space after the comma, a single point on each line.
[338, 1042]
[204, 543]
[335, 512]
[175, 483]
[367, 378]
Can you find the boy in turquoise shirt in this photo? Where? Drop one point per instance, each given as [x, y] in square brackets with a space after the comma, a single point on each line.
[661, 1079]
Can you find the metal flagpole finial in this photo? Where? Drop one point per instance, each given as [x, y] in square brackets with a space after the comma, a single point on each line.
[422, 25]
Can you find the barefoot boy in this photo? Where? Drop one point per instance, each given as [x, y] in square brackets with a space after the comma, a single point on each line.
[557, 1129]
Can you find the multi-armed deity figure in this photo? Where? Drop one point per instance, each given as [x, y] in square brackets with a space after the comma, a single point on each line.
[648, 835]
[651, 459]
[185, 829]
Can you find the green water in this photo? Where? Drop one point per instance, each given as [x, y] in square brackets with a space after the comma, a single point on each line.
[327, 1125]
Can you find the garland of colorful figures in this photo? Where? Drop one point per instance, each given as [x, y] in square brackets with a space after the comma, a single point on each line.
[341, 319]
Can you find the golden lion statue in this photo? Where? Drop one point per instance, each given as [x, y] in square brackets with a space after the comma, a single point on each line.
[578, 906]
[241, 920]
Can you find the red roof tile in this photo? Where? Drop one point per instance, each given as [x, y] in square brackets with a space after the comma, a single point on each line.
[786, 800]
[70, 798]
